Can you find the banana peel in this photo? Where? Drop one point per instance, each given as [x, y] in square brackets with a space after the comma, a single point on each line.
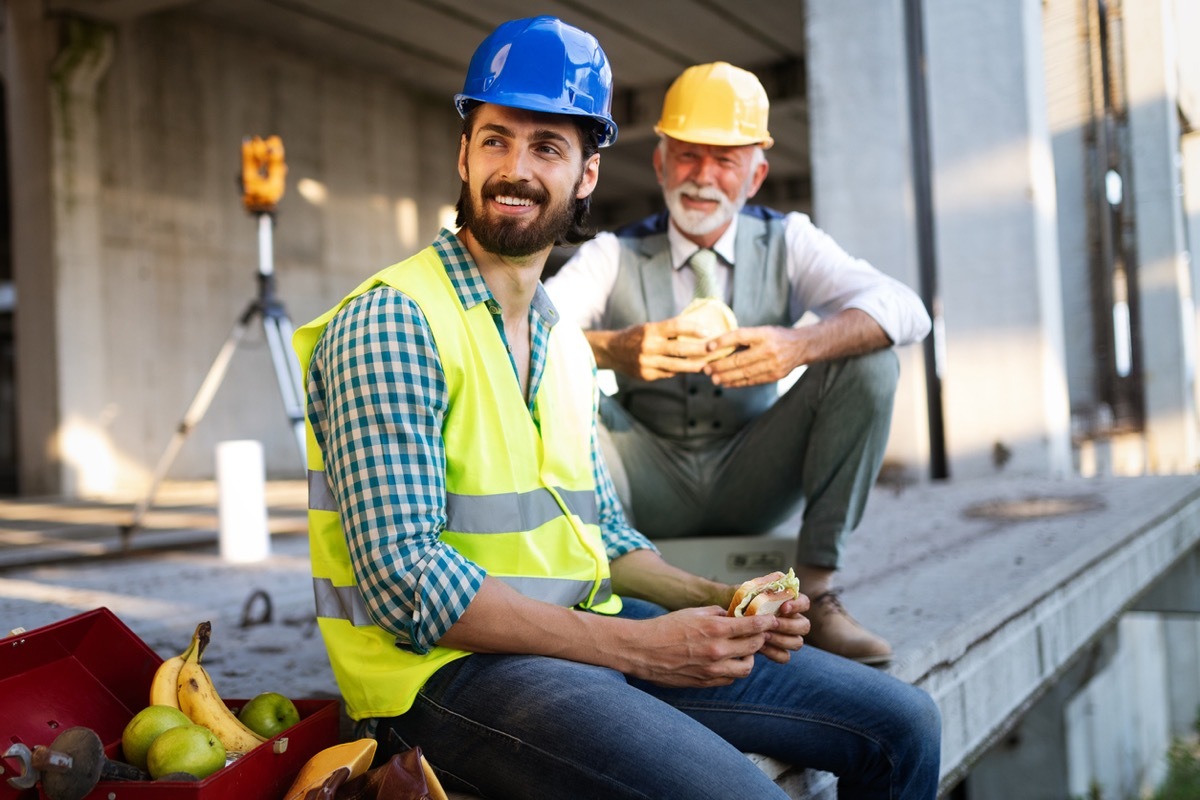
[355, 756]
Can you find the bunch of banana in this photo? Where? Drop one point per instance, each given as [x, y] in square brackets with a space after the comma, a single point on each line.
[182, 682]
[163, 691]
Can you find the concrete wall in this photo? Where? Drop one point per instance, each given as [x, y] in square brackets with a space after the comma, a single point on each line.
[1166, 299]
[1119, 726]
[862, 175]
[152, 256]
[1004, 383]
[158, 259]
[996, 251]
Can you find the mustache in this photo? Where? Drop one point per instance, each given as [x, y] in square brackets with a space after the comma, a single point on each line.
[701, 192]
[522, 191]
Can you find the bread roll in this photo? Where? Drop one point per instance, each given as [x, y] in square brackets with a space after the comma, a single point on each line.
[714, 318]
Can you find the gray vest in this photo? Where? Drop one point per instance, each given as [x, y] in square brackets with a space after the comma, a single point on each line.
[690, 407]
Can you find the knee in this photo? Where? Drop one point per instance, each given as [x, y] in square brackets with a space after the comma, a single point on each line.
[923, 719]
[873, 375]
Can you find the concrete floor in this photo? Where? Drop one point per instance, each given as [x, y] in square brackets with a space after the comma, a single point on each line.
[957, 574]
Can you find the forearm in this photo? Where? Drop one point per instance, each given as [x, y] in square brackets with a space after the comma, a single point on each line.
[847, 333]
[501, 620]
[645, 575]
[607, 350]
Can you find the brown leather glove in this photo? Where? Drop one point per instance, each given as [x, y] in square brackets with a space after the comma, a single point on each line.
[329, 789]
[403, 777]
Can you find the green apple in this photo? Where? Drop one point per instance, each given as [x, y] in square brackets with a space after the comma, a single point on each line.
[268, 714]
[145, 727]
[189, 748]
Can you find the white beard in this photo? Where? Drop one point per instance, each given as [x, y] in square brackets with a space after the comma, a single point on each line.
[695, 222]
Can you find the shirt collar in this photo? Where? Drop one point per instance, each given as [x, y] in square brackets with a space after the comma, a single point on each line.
[469, 284]
[682, 248]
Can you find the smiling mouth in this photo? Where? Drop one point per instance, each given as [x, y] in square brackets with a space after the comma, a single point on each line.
[508, 200]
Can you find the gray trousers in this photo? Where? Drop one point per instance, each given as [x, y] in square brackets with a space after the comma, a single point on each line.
[821, 445]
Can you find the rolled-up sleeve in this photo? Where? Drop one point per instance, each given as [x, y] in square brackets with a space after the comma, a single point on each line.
[825, 279]
[377, 398]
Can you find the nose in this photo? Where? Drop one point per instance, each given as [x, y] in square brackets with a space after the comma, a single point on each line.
[517, 165]
[705, 172]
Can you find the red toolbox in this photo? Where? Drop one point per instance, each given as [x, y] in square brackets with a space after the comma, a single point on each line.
[92, 670]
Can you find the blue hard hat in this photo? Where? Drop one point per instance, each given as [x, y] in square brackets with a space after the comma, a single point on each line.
[542, 64]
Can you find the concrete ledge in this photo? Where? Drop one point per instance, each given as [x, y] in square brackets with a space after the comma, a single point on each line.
[987, 589]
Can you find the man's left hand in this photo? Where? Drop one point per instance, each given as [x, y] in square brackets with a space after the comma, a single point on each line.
[789, 636]
[764, 354]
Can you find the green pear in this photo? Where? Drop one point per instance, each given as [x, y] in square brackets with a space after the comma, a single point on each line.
[189, 748]
[145, 727]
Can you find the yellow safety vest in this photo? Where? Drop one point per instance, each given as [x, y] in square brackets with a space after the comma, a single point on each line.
[519, 502]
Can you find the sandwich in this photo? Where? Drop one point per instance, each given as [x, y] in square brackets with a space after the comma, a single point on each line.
[764, 595]
[714, 318]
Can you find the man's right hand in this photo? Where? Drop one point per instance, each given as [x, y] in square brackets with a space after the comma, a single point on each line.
[695, 647]
[651, 351]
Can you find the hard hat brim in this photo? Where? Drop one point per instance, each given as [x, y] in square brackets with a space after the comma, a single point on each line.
[720, 138]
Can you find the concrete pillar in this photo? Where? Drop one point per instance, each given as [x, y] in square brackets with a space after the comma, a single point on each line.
[1118, 725]
[1165, 301]
[1068, 92]
[1182, 639]
[1189, 150]
[88, 458]
[1036, 748]
[28, 38]
[1004, 377]
[862, 171]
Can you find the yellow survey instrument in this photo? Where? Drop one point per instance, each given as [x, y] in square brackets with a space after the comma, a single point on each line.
[263, 173]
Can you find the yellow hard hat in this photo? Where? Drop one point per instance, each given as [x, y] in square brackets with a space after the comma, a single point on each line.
[717, 104]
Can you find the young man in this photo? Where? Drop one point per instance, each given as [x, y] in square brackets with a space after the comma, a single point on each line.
[479, 591]
[708, 447]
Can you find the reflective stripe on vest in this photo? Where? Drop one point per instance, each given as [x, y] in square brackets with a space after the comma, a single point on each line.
[346, 602]
[496, 513]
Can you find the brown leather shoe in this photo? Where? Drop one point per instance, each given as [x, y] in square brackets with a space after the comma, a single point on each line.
[835, 631]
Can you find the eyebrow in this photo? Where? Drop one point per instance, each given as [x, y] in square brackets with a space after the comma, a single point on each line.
[540, 135]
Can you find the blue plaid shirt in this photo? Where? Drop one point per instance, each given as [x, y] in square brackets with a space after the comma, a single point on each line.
[376, 400]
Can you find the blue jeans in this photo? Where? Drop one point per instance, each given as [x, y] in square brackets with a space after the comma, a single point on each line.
[527, 727]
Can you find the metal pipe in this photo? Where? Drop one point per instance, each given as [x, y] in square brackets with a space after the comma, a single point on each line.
[914, 33]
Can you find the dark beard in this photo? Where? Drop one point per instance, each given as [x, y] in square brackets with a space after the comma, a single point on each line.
[513, 238]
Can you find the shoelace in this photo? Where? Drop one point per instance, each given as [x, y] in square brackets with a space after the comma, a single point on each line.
[831, 599]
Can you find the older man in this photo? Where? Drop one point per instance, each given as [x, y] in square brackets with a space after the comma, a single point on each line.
[709, 447]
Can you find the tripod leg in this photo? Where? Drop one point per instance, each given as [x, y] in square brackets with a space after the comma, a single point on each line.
[279, 331]
[194, 413]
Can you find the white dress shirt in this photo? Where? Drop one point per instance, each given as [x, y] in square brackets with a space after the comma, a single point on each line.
[824, 280]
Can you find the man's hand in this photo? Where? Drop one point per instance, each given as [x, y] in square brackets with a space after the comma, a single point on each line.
[651, 351]
[763, 355]
[769, 353]
[695, 647]
[789, 636]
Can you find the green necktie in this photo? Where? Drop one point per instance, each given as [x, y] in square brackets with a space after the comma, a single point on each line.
[704, 265]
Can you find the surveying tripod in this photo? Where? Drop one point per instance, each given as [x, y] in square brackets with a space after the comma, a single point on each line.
[262, 179]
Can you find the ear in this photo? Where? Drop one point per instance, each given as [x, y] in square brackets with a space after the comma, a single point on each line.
[756, 180]
[462, 158]
[658, 164]
[589, 178]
